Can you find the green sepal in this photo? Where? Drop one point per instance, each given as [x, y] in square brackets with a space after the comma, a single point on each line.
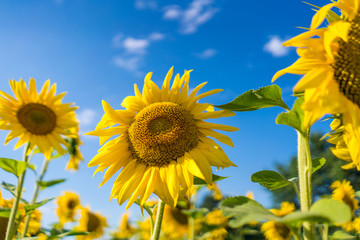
[269, 179]
[265, 97]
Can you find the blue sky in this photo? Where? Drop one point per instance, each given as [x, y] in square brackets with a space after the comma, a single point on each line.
[97, 50]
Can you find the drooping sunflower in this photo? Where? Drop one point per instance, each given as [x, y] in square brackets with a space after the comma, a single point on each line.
[329, 60]
[175, 222]
[91, 222]
[164, 141]
[74, 151]
[274, 230]
[38, 118]
[67, 204]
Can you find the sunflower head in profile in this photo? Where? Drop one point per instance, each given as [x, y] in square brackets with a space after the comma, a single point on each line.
[37, 118]
[344, 192]
[162, 141]
[91, 222]
[67, 204]
[329, 60]
[73, 149]
[177, 223]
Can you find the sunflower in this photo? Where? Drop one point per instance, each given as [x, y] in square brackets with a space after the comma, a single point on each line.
[74, 151]
[216, 218]
[164, 141]
[125, 230]
[329, 60]
[217, 195]
[91, 222]
[176, 222]
[38, 118]
[67, 204]
[276, 230]
[217, 234]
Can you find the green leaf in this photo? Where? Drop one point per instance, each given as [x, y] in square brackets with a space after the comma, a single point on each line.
[294, 118]
[243, 210]
[264, 97]
[196, 213]
[215, 178]
[337, 212]
[15, 167]
[318, 163]
[45, 184]
[298, 217]
[5, 212]
[30, 208]
[342, 235]
[269, 179]
[73, 233]
[11, 188]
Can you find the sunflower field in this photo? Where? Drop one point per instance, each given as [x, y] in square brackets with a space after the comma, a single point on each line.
[168, 150]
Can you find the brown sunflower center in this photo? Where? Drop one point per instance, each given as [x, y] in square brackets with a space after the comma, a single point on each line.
[71, 204]
[37, 118]
[347, 62]
[161, 133]
[282, 230]
[93, 222]
[179, 216]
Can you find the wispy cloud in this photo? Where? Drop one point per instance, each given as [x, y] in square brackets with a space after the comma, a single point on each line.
[274, 47]
[207, 53]
[133, 50]
[87, 117]
[145, 4]
[191, 18]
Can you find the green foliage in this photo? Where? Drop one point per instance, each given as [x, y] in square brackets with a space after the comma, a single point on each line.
[337, 212]
[46, 184]
[342, 235]
[317, 163]
[269, 179]
[5, 212]
[196, 212]
[31, 207]
[215, 178]
[243, 210]
[264, 97]
[15, 167]
[322, 178]
[294, 118]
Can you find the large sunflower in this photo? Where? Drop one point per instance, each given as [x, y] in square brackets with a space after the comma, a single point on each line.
[38, 118]
[164, 141]
[330, 61]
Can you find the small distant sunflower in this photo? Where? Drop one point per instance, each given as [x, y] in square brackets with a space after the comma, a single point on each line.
[125, 230]
[217, 195]
[276, 230]
[217, 234]
[38, 118]
[74, 151]
[344, 192]
[215, 217]
[164, 141]
[176, 222]
[67, 204]
[34, 224]
[91, 222]
[329, 59]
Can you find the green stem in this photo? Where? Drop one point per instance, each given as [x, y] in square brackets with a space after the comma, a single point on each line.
[305, 171]
[191, 219]
[151, 218]
[10, 230]
[36, 193]
[325, 231]
[158, 221]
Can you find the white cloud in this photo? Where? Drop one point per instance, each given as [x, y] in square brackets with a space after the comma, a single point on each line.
[87, 116]
[207, 53]
[156, 36]
[135, 45]
[145, 4]
[195, 15]
[274, 47]
[172, 12]
[129, 63]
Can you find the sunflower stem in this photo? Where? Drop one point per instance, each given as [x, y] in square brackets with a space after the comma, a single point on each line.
[36, 193]
[10, 230]
[305, 171]
[158, 221]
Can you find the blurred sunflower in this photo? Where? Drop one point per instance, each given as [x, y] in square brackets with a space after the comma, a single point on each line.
[217, 195]
[38, 118]
[176, 222]
[218, 223]
[67, 204]
[329, 60]
[91, 222]
[164, 141]
[125, 230]
[276, 230]
[74, 151]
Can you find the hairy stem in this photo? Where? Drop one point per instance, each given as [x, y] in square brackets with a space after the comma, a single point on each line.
[158, 221]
